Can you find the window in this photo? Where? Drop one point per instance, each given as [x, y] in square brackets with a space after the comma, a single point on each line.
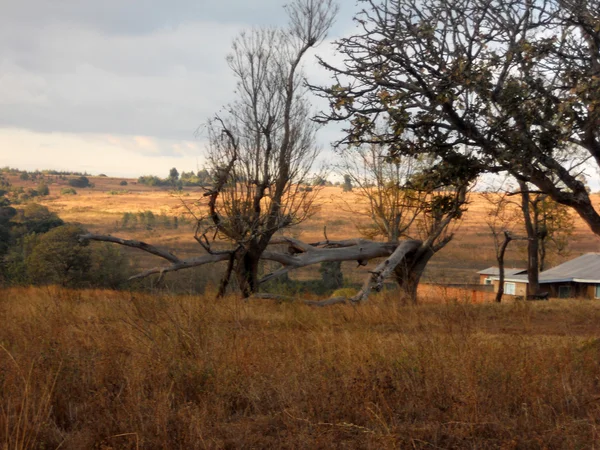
[597, 291]
[488, 281]
[564, 291]
[510, 288]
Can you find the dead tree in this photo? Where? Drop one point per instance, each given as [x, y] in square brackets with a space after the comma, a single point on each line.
[405, 199]
[262, 147]
[297, 254]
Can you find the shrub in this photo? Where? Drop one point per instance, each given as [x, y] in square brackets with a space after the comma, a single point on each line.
[331, 274]
[123, 183]
[36, 218]
[68, 191]
[60, 258]
[80, 182]
[42, 189]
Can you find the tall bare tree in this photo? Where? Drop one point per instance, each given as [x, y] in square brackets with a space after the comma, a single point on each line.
[263, 146]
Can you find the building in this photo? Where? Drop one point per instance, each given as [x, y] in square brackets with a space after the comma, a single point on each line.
[486, 276]
[579, 277]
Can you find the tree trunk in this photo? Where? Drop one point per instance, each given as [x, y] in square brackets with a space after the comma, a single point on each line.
[533, 266]
[500, 257]
[408, 273]
[246, 271]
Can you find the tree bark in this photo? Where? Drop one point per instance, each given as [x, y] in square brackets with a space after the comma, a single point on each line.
[408, 273]
[500, 257]
[533, 265]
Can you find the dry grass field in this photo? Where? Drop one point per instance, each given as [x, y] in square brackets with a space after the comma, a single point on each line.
[107, 370]
[94, 369]
[101, 209]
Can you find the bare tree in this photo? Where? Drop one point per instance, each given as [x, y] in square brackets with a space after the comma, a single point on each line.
[263, 146]
[405, 201]
[500, 219]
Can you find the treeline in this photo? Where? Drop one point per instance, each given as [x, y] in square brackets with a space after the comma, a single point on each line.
[200, 178]
[147, 220]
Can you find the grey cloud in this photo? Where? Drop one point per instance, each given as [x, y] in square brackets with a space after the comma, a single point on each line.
[139, 16]
[131, 67]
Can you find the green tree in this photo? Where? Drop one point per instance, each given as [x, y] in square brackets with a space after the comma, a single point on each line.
[60, 258]
[35, 218]
[110, 267]
[80, 182]
[42, 189]
[173, 176]
[347, 187]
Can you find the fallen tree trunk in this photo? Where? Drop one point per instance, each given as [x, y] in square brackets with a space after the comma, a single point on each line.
[299, 254]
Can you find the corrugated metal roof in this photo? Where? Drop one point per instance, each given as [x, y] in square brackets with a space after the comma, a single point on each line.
[495, 271]
[586, 268]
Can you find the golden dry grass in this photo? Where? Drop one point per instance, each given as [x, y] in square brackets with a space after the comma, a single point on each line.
[471, 249]
[108, 370]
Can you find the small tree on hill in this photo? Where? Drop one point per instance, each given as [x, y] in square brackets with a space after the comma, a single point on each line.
[347, 186]
[60, 258]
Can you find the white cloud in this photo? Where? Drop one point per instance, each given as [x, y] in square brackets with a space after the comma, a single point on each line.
[121, 155]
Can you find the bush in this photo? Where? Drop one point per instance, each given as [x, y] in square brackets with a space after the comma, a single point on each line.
[331, 274]
[68, 191]
[36, 218]
[80, 182]
[110, 266]
[123, 183]
[43, 189]
[60, 258]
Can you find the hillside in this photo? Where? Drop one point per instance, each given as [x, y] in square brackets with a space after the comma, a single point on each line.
[102, 208]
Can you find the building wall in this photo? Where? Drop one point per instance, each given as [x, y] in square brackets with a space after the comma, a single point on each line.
[482, 278]
[520, 288]
[581, 290]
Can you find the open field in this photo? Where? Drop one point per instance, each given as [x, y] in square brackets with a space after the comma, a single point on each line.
[108, 370]
[101, 209]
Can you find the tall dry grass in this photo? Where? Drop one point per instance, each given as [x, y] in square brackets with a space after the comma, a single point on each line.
[108, 370]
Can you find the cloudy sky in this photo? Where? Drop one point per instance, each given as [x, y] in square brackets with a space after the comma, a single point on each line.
[120, 86]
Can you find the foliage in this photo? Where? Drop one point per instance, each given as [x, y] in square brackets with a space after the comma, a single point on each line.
[35, 218]
[123, 183]
[331, 274]
[151, 180]
[148, 220]
[484, 86]
[42, 189]
[110, 267]
[68, 191]
[347, 186]
[80, 182]
[173, 175]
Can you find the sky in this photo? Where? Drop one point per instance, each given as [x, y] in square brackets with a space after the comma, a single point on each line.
[120, 87]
